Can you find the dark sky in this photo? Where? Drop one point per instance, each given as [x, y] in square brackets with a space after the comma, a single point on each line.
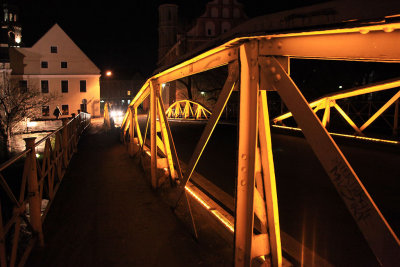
[119, 35]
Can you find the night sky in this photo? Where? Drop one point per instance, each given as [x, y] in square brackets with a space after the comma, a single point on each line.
[116, 35]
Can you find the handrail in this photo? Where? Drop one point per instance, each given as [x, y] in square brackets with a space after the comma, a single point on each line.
[40, 180]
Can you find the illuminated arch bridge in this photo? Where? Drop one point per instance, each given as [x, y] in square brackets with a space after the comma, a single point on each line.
[188, 109]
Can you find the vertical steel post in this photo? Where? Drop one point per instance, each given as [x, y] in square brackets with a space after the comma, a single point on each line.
[65, 142]
[131, 131]
[244, 221]
[33, 190]
[153, 133]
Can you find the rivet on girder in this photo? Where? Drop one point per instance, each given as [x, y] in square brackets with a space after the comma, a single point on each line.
[277, 77]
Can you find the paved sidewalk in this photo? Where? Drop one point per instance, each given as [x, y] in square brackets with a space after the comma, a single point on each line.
[106, 214]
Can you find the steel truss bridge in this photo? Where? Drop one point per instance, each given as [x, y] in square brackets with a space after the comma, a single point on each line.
[259, 64]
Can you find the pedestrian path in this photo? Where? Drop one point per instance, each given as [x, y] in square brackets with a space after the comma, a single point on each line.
[106, 214]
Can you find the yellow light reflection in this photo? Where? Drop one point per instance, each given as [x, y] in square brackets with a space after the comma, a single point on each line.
[215, 212]
[345, 135]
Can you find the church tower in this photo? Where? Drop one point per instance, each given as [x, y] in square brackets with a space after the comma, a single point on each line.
[167, 29]
[10, 24]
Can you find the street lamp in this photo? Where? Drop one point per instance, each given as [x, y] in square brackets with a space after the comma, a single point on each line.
[108, 73]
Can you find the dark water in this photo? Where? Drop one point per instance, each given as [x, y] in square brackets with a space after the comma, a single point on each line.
[310, 208]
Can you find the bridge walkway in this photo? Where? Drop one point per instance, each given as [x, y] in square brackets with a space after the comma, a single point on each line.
[106, 214]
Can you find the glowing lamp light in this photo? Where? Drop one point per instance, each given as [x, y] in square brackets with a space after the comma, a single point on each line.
[31, 123]
[116, 113]
[108, 73]
[18, 39]
[202, 93]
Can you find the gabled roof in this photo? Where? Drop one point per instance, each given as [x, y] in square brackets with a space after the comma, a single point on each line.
[67, 49]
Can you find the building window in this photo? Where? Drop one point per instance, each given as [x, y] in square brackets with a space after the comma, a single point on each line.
[23, 86]
[45, 86]
[64, 64]
[82, 85]
[236, 13]
[128, 92]
[214, 12]
[64, 86]
[210, 28]
[45, 64]
[225, 12]
[64, 110]
[53, 49]
[45, 111]
[226, 26]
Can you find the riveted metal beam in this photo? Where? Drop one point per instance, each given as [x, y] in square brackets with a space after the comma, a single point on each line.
[363, 45]
[376, 230]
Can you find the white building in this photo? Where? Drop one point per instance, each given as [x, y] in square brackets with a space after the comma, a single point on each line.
[56, 65]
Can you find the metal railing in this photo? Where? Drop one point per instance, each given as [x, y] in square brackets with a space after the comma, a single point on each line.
[29, 182]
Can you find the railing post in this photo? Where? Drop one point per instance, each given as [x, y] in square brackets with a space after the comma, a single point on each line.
[131, 131]
[33, 190]
[65, 142]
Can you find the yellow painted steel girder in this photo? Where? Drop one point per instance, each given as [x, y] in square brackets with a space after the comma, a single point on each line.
[371, 88]
[351, 43]
[176, 111]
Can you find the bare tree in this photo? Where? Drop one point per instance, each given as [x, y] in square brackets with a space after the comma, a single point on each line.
[16, 104]
[205, 86]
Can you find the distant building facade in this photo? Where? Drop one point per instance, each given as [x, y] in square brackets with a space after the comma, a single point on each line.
[119, 92]
[56, 65]
[176, 40]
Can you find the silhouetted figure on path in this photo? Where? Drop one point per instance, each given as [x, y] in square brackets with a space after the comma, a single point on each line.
[57, 112]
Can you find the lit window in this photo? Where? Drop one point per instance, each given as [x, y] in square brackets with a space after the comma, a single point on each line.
[44, 64]
[123, 101]
[82, 86]
[128, 92]
[45, 111]
[64, 110]
[64, 86]
[64, 64]
[53, 49]
[45, 86]
[129, 101]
